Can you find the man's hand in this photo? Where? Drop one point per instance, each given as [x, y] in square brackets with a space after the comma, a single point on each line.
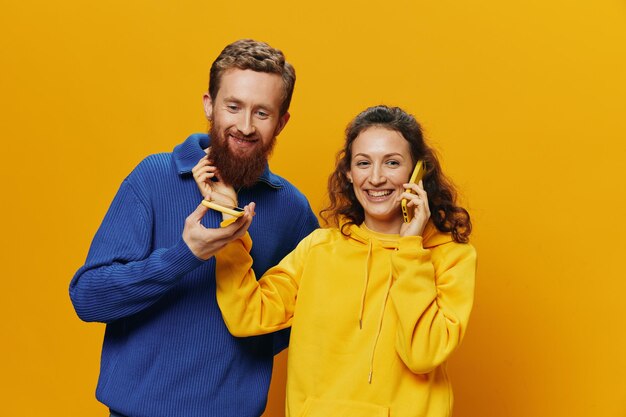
[218, 191]
[204, 242]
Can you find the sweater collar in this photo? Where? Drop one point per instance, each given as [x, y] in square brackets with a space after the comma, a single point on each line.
[187, 154]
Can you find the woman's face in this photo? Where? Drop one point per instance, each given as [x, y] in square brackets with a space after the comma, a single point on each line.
[381, 163]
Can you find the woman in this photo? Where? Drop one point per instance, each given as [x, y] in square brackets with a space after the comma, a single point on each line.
[376, 305]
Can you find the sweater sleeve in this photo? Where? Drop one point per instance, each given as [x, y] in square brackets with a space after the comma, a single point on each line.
[252, 307]
[122, 275]
[433, 296]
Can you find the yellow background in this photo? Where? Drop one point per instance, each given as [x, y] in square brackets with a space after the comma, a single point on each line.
[525, 100]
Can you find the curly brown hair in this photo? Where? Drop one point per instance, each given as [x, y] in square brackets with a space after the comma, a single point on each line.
[344, 208]
[256, 56]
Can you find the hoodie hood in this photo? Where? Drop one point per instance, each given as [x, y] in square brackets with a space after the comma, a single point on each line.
[430, 239]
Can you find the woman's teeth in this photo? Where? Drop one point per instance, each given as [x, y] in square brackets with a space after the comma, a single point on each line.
[380, 193]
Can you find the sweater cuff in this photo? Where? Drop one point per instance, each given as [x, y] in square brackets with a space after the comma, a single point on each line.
[180, 259]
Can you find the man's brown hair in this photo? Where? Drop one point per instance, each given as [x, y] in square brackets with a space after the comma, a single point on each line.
[256, 56]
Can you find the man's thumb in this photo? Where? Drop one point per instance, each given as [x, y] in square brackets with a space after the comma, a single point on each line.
[198, 213]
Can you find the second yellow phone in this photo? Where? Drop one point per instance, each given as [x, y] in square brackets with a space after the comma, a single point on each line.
[416, 176]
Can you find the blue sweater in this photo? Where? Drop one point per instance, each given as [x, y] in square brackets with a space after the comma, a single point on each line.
[166, 351]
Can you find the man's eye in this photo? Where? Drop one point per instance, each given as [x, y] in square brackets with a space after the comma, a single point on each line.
[262, 114]
[232, 107]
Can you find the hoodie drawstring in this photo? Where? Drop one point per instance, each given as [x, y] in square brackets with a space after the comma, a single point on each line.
[380, 320]
[367, 280]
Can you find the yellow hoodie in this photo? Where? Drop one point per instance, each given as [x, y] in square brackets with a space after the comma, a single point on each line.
[374, 318]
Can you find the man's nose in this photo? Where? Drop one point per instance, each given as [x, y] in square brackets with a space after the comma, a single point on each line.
[245, 124]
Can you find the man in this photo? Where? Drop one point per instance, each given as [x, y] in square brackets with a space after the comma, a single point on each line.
[150, 271]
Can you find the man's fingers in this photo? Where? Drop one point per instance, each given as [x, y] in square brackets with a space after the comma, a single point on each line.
[237, 228]
[198, 213]
[202, 166]
[251, 208]
[205, 176]
[242, 227]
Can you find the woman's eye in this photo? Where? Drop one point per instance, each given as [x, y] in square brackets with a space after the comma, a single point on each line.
[393, 163]
[362, 164]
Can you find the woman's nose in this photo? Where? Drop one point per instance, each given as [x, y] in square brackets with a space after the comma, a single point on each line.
[376, 177]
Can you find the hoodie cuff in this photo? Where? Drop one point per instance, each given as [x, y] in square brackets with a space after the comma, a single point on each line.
[246, 240]
[227, 222]
[412, 248]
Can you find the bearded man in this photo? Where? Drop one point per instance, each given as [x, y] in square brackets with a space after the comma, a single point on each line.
[150, 271]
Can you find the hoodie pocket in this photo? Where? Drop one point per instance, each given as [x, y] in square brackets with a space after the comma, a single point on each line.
[314, 407]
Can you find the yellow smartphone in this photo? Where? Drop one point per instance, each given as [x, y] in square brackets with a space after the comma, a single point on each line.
[233, 211]
[416, 176]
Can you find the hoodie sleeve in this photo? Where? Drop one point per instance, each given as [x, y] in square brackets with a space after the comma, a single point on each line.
[433, 296]
[252, 307]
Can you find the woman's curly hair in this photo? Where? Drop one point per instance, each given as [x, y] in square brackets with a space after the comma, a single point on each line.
[344, 208]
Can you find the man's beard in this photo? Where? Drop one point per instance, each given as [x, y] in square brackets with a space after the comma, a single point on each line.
[238, 170]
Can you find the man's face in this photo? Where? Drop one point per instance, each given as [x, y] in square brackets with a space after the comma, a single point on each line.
[245, 120]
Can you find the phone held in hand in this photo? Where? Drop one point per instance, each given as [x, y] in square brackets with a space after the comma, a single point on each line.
[232, 210]
[416, 176]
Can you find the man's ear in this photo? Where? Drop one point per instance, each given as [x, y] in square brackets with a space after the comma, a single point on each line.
[281, 123]
[208, 106]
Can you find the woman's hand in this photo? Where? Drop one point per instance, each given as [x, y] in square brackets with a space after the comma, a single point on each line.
[418, 202]
[218, 191]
